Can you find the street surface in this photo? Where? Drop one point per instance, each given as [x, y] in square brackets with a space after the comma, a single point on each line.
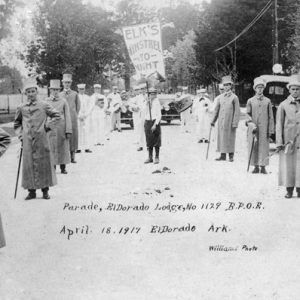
[46, 259]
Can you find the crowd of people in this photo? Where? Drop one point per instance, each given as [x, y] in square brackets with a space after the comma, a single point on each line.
[52, 131]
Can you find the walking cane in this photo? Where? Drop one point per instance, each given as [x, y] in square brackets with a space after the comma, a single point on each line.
[208, 142]
[251, 151]
[19, 166]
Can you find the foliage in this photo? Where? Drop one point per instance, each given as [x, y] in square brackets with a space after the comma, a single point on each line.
[221, 21]
[11, 80]
[184, 65]
[74, 38]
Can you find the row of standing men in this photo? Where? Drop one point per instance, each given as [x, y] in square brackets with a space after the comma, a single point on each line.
[226, 111]
[261, 126]
[52, 131]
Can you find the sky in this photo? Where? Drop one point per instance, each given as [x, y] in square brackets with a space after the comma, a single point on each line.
[151, 3]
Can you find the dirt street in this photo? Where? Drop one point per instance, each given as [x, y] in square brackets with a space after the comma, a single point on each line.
[113, 229]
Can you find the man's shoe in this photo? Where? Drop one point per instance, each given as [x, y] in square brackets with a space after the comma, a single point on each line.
[88, 151]
[148, 161]
[119, 130]
[288, 195]
[73, 161]
[140, 149]
[200, 141]
[64, 172]
[46, 195]
[263, 170]
[221, 158]
[78, 151]
[30, 196]
[255, 170]
[206, 141]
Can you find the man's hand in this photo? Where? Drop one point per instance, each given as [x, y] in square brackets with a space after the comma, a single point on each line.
[212, 124]
[153, 127]
[68, 136]
[279, 148]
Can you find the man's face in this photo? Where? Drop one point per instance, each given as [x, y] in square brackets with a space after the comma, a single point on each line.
[115, 90]
[67, 84]
[259, 89]
[152, 96]
[31, 94]
[294, 91]
[54, 92]
[81, 91]
[137, 92]
[97, 90]
[227, 87]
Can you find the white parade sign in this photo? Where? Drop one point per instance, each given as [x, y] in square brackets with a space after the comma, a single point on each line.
[145, 49]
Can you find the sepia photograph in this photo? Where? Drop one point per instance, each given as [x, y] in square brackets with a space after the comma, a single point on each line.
[149, 150]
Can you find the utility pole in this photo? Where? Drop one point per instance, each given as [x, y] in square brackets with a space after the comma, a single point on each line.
[275, 46]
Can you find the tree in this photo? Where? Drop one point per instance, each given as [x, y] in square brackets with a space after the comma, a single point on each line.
[184, 65]
[11, 80]
[73, 37]
[251, 56]
[177, 21]
[7, 8]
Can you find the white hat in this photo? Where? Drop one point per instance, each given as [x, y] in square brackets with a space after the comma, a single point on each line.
[81, 86]
[30, 83]
[294, 80]
[258, 81]
[227, 79]
[184, 88]
[54, 84]
[115, 87]
[97, 86]
[67, 77]
[106, 91]
[203, 90]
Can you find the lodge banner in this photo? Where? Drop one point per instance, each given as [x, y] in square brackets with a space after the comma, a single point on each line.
[144, 46]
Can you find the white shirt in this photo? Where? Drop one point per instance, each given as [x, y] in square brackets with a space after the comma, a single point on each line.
[116, 101]
[155, 111]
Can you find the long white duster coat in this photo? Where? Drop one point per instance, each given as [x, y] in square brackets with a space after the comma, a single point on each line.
[288, 131]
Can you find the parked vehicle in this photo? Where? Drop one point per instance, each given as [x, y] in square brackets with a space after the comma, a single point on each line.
[169, 112]
[276, 91]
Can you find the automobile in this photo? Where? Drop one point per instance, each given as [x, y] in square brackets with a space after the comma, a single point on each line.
[126, 118]
[276, 91]
[168, 111]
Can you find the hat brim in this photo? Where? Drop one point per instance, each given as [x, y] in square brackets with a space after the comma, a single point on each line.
[295, 83]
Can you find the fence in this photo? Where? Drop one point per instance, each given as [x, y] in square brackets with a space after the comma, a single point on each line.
[9, 103]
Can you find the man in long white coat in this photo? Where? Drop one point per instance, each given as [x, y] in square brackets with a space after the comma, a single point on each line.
[115, 109]
[185, 116]
[98, 115]
[31, 126]
[84, 120]
[202, 108]
[136, 105]
[74, 106]
[227, 112]
[59, 136]
[288, 138]
[260, 123]
[108, 113]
